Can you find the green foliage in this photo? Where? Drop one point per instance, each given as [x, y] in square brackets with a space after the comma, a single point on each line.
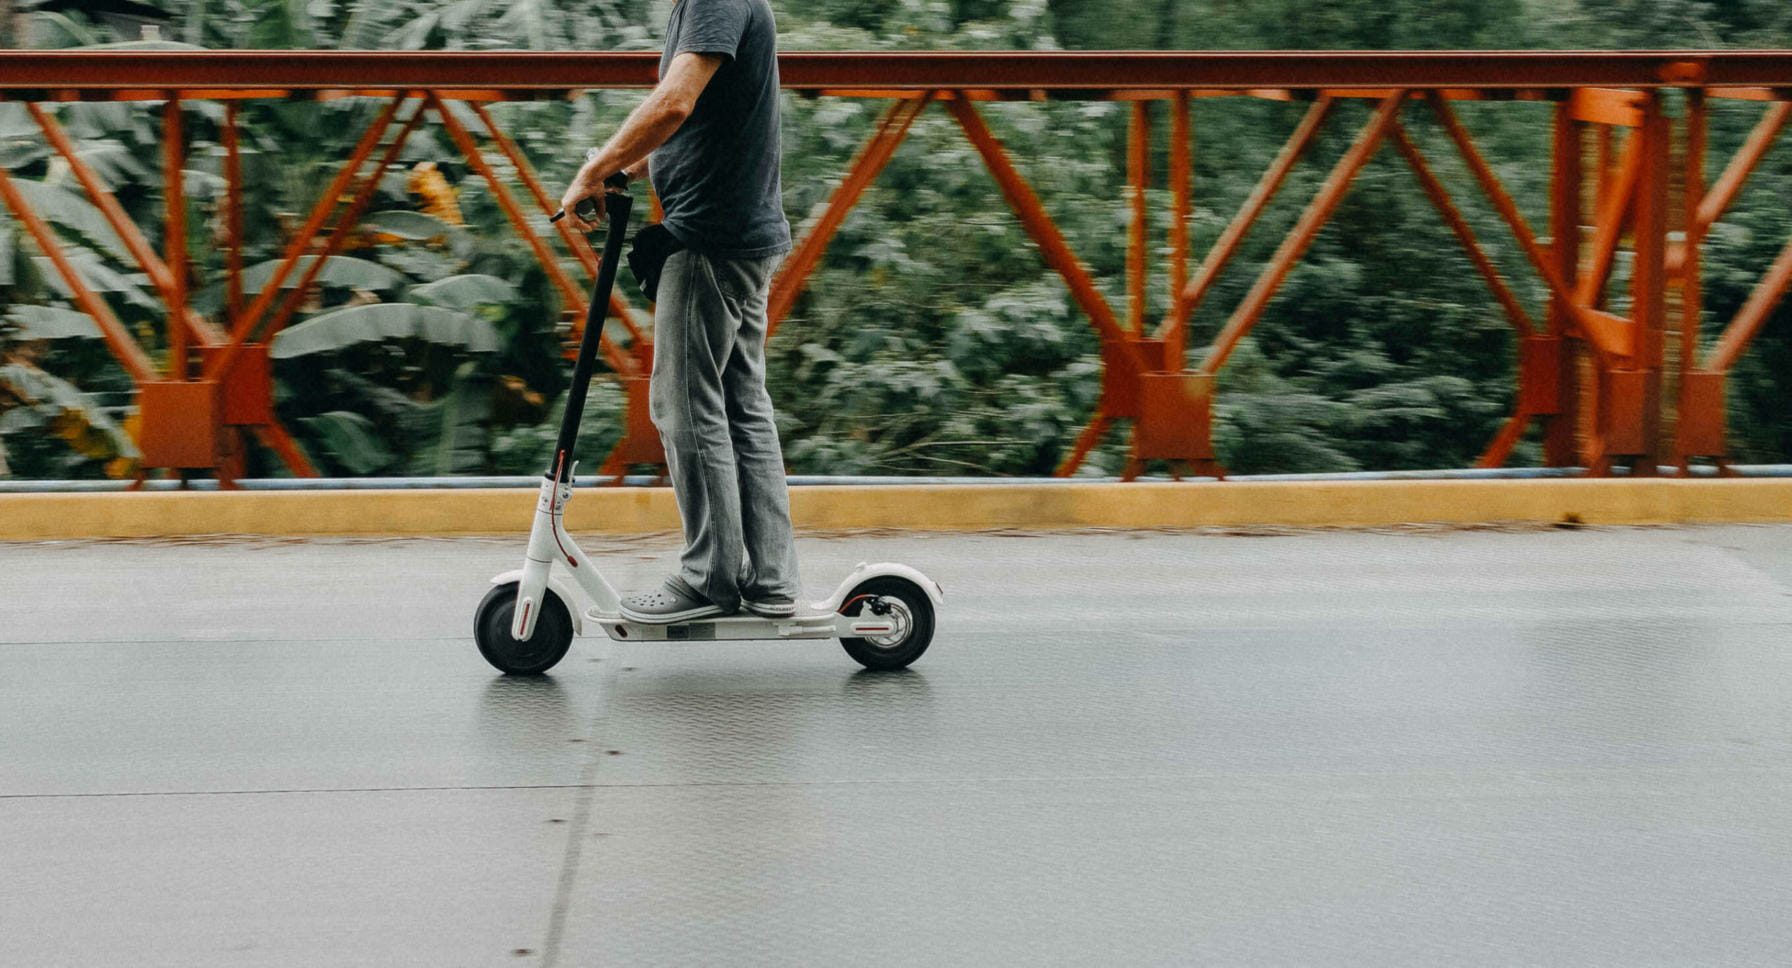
[453, 428]
[51, 322]
[529, 448]
[52, 429]
[468, 291]
[1736, 253]
[68, 210]
[341, 272]
[350, 442]
[342, 328]
[931, 339]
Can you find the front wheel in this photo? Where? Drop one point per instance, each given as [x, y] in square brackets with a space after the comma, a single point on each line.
[910, 612]
[531, 657]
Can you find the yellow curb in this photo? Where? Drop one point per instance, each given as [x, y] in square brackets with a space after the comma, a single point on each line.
[1040, 507]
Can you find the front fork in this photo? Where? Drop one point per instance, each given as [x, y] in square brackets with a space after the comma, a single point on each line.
[547, 542]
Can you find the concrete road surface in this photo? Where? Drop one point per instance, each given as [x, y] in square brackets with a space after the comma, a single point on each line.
[1426, 749]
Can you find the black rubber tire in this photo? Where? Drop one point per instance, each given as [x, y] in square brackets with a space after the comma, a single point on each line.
[545, 648]
[920, 634]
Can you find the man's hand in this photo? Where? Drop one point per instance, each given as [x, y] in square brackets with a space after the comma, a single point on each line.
[588, 183]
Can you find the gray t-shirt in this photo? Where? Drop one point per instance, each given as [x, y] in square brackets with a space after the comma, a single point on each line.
[717, 177]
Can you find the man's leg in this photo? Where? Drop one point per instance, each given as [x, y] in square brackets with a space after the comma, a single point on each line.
[764, 496]
[694, 335]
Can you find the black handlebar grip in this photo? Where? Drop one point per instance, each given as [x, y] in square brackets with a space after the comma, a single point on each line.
[586, 207]
[616, 184]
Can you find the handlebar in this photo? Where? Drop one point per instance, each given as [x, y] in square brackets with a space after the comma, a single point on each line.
[586, 207]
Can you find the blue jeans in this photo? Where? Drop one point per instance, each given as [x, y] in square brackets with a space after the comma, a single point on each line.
[709, 401]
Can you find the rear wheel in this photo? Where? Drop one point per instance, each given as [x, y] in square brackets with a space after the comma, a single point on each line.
[910, 613]
[532, 656]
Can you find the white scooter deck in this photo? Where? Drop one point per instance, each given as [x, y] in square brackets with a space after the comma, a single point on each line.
[731, 628]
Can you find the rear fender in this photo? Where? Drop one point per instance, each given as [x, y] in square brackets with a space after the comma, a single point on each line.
[865, 572]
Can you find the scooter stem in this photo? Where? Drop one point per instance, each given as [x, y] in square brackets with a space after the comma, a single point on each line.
[547, 538]
[617, 205]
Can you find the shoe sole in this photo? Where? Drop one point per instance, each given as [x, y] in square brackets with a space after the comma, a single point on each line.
[769, 612]
[672, 618]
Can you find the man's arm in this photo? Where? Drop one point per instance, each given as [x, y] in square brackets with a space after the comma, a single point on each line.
[647, 127]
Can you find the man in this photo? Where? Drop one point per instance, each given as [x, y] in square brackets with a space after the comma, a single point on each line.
[708, 137]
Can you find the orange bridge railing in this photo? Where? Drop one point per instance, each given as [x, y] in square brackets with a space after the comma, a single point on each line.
[1600, 384]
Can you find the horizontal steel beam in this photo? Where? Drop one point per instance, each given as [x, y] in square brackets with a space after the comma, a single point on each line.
[1063, 72]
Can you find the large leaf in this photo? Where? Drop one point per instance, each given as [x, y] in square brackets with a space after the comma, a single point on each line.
[35, 387]
[99, 119]
[54, 29]
[68, 413]
[341, 271]
[63, 207]
[414, 226]
[343, 328]
[99, 277]
[116, 163]
[15, 122]
[423, 263]
[466, 291]
[21, 153]
[350, 441]
[53, 322]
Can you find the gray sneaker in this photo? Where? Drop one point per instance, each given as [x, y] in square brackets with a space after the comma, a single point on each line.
[769, 606]
[672, 602]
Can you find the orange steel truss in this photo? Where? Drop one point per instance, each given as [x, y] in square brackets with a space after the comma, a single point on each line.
[1596, 381]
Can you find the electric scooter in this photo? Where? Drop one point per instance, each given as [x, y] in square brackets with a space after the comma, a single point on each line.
[883, 614]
